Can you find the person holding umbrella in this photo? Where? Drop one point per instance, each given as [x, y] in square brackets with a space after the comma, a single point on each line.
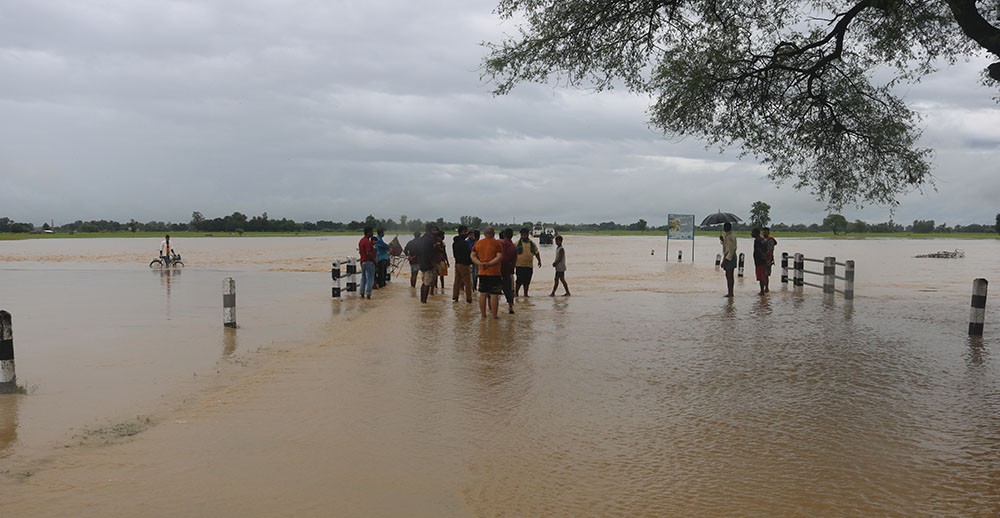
[728, 256]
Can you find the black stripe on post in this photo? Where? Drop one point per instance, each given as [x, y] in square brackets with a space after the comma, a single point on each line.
[978, 314]
[6, 350]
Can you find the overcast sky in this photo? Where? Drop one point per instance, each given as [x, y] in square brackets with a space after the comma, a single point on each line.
[333, 110]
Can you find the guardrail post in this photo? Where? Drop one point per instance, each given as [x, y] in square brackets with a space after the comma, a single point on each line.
[680, 255]
[799, 275]
[740, 274]
[849, 280]
[829, 275]
[978, 315]
[335, 274]
[784, 267]
[229, 302]
[352, 275]
[8, 378]
[718, 260]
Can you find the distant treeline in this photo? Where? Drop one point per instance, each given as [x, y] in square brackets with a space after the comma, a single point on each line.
[240, 223]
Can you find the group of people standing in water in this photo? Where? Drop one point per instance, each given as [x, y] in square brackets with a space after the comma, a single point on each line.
[763, 256]
[491, 264]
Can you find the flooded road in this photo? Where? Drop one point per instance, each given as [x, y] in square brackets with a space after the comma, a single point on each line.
[646, 393]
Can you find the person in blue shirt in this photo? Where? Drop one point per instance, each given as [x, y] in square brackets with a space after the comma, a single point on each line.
[382, 259]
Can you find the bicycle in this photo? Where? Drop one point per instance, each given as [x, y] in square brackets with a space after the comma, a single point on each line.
[169, 261]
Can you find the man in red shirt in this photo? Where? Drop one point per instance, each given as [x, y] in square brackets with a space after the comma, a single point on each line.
[507, 267]
[487, 254]
[367, 250]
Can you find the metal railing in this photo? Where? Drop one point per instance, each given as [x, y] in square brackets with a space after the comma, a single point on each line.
[829, 274]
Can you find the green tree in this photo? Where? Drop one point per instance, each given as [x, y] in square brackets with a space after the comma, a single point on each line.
[998, 224]
[197, 220]
[258, 223]
[473, 222]
[760, 214]
[835, 222]
[922, 227]
[234, 223]
[640, 225]
[792, 82]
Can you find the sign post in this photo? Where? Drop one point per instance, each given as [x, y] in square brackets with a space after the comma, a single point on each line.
[680, 226]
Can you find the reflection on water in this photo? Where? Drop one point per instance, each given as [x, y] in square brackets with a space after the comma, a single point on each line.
[646, 393]
[229, 341]
[8, 422]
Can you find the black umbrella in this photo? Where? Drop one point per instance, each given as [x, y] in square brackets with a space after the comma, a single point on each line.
[719, 218]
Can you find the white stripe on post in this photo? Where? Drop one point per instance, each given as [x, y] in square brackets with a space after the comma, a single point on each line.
[784, 267]
[740, 274]
[229, 302]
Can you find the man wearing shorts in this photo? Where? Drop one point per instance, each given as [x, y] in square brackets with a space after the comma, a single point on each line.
[487, 254]
[526, 251]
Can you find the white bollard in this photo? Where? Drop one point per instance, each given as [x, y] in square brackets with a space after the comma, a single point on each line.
[680, 255]
[718, 260]
[978, 316]
[829, 275]
[740, 273]
[335, 274]
[229, 302]
[799, 278]
[849, 280]
[352, 275]
[784, 267]
[8, 378]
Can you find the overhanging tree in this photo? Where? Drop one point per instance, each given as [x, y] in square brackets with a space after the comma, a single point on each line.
[790, 82]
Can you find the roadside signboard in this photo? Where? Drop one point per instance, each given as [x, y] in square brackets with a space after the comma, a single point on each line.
[680, 226]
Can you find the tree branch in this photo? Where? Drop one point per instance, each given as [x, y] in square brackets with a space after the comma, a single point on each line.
[978, 29]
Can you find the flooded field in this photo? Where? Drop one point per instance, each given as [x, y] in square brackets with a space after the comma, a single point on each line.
[646, 393]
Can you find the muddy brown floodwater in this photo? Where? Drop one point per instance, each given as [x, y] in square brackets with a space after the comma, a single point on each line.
[646, 393]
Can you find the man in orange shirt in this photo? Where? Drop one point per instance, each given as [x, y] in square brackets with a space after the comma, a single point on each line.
[487, 254]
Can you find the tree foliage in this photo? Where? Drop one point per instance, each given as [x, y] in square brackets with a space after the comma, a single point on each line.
[788, 81]
[760, 214]
[835, 222]
[640, 225]
[922, 226]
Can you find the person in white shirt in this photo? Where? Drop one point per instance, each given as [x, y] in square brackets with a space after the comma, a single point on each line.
[560, 265]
